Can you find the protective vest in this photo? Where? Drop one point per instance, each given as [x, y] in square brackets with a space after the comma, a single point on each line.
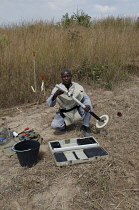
[65, 102]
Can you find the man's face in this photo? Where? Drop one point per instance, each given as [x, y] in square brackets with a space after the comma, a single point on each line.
[66, 78]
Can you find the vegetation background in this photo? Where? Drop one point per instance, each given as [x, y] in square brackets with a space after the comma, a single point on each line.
[98, 52]
[103, 54]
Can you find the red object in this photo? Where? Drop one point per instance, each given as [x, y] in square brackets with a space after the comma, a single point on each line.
[25, 134]
[26, 129]
[42, 77]
[22, 131]
[119, 114]
[34, 53]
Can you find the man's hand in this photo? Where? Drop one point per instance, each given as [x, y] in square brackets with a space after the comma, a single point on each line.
[57, 93]
[87, 108]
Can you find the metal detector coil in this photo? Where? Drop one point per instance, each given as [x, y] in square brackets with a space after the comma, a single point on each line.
[105, 121]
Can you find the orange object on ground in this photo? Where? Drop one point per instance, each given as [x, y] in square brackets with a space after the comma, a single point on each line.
[22, 131]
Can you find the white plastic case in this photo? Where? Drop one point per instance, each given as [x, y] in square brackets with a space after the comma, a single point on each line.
[76, 150]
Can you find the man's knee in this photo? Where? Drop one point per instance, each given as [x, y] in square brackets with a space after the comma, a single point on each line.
[56, 125]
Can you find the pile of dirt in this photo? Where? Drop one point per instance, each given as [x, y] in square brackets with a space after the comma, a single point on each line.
[111, 183]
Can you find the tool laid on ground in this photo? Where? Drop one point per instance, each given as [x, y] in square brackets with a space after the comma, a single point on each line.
[30, 135]
[23, 130]
[103, 119]
[24, 135]
[15, 134]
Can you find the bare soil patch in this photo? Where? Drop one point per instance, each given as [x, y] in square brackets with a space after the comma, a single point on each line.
[111, 183]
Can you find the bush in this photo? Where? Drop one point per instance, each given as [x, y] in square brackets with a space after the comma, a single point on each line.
[79, 18]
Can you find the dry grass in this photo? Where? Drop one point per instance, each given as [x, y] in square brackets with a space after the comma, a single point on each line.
[104, 54]
[105, 184]
[98, 54]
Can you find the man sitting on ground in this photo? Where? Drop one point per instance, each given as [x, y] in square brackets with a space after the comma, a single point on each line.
[69, 111]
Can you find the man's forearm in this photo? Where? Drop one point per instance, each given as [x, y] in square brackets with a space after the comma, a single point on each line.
[54, 97]
[51, 102]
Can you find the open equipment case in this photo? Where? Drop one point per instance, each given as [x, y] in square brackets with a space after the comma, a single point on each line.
[76, 150]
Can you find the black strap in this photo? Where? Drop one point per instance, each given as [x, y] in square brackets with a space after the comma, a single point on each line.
[61, 111]
[68, 110]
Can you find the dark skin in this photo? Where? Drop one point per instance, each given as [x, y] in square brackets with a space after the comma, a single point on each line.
[66, 80]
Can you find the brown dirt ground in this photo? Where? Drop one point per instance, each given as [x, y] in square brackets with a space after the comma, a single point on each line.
[109, 184]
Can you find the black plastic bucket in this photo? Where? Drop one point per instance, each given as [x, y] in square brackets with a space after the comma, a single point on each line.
[27, 152]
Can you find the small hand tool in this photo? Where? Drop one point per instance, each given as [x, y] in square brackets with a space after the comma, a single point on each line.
[15, 134]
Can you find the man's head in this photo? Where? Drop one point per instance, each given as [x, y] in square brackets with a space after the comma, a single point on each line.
[66, 77]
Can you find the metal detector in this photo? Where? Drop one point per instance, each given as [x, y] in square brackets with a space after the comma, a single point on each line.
[101, 121]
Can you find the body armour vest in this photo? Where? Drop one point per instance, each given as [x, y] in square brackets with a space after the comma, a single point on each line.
[66, 102]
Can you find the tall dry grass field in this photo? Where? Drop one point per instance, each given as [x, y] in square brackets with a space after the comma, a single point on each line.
[102, 53]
